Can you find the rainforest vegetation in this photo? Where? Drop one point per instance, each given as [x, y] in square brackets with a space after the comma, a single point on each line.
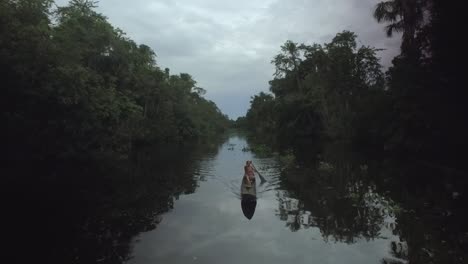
[339, 91]
[100, 140]
[79, 98]
[410, 116]
[73, 83]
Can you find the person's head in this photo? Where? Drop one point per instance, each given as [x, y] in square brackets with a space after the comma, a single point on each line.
[248, 162]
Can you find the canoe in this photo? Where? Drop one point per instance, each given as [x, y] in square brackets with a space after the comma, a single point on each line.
[248, 198]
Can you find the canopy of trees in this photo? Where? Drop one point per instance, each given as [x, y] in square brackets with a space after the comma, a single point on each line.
[416, 110]
[74, 88]
[338, 90]
[321, 91]
[72, 82]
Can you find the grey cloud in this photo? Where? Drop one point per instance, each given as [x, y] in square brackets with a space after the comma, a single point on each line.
[228, 45]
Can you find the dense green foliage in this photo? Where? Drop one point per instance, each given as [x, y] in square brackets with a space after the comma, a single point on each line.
[75, 88]
[337, 91]
[321, 91]
[330, 94]
[73, 83]
[427, 116]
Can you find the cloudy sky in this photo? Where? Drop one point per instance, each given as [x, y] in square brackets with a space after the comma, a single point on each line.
[227, 46]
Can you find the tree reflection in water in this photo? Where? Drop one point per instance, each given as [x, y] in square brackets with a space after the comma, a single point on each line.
[335, 195]
[348, 199]
[92, 215]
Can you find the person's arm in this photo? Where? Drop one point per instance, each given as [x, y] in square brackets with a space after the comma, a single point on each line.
[246, 176]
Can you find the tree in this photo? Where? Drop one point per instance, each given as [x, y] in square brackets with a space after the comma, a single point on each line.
[260, 117]
[406, 16]
[83, 86]
[424, 80]
[320, 90]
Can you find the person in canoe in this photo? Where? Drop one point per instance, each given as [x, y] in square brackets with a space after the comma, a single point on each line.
[249, 172]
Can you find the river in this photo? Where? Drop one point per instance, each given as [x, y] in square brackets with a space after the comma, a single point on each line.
[208, 225]
[183, 205]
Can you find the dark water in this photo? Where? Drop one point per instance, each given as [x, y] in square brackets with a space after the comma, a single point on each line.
[183, 205]
[335, 217]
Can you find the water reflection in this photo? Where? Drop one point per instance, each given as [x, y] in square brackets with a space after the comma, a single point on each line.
[336, 197]
[319, 203]
[93, 213]
[338, 207]
[350, 197]
[431, 222]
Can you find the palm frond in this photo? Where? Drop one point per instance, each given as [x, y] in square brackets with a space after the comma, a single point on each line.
[394, 27]
[386, 11]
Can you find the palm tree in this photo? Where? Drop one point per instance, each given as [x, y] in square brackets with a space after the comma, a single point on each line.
[405, 16]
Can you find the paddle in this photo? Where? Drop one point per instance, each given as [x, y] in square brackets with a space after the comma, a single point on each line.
[262, 180]
[261, 177]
